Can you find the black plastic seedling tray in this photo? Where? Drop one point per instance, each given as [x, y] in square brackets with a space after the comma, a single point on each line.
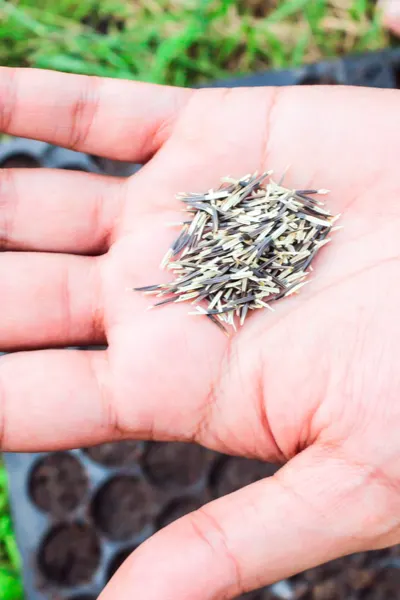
[79, 514]
[375, 69]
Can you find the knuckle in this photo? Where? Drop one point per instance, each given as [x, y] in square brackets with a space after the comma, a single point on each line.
[111, 414]
[8, 98]
[65, 301]
[8, 206]
[207, 531]
[83, 112]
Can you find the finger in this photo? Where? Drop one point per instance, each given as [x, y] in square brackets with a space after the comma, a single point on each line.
[66, 398]
[262, 534]
[119, 119]
[49, 300]
[58, 211]
[60, 401]
[391, 14]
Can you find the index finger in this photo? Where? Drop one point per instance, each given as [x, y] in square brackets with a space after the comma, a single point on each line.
[122, 120]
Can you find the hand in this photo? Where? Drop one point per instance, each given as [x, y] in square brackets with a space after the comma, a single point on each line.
[391, 15]
[315, 384]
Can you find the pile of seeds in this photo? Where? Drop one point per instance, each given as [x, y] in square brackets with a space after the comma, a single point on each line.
[247, 245]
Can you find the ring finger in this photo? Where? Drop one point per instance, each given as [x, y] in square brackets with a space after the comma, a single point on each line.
[49, 300]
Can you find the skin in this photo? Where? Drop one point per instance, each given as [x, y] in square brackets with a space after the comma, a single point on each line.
[390, 10]
[315, 385]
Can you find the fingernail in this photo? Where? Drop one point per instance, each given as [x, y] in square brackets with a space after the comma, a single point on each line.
[390, 8]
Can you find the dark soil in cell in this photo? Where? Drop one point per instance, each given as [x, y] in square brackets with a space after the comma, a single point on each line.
[58, 483]
[175, 463]
[330, 589]
[123, 507]
[178, 508]
[385, 586]
[232, 474]
[357, 577]
[69, 555]
[117, 561]
[116, 454]
[360, 579]
[20, 161]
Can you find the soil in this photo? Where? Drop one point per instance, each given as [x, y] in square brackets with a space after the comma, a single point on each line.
[357, 577]
[343, 580]
[20, 161]
[116, 454]
[232, 474]
[178, 509]
[175, 463]
[58, 483]
[257, 8]
[123, 507]
[386, 586]
[69, 555]
[103, 25]
[117, 561]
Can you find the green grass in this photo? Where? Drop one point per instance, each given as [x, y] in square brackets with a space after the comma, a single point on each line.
[181, 42]
[10, 582]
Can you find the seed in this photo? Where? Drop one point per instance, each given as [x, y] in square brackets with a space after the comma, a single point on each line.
[248, 243]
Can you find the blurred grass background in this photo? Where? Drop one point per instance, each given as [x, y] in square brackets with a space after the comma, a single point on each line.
[180, 42]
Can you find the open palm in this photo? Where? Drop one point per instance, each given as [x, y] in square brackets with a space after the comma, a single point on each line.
[316, 383]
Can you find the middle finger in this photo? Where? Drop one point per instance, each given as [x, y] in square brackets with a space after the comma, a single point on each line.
[58, 211]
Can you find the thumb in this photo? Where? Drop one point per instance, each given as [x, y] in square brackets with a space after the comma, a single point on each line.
[391, 14]
[314, 510]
